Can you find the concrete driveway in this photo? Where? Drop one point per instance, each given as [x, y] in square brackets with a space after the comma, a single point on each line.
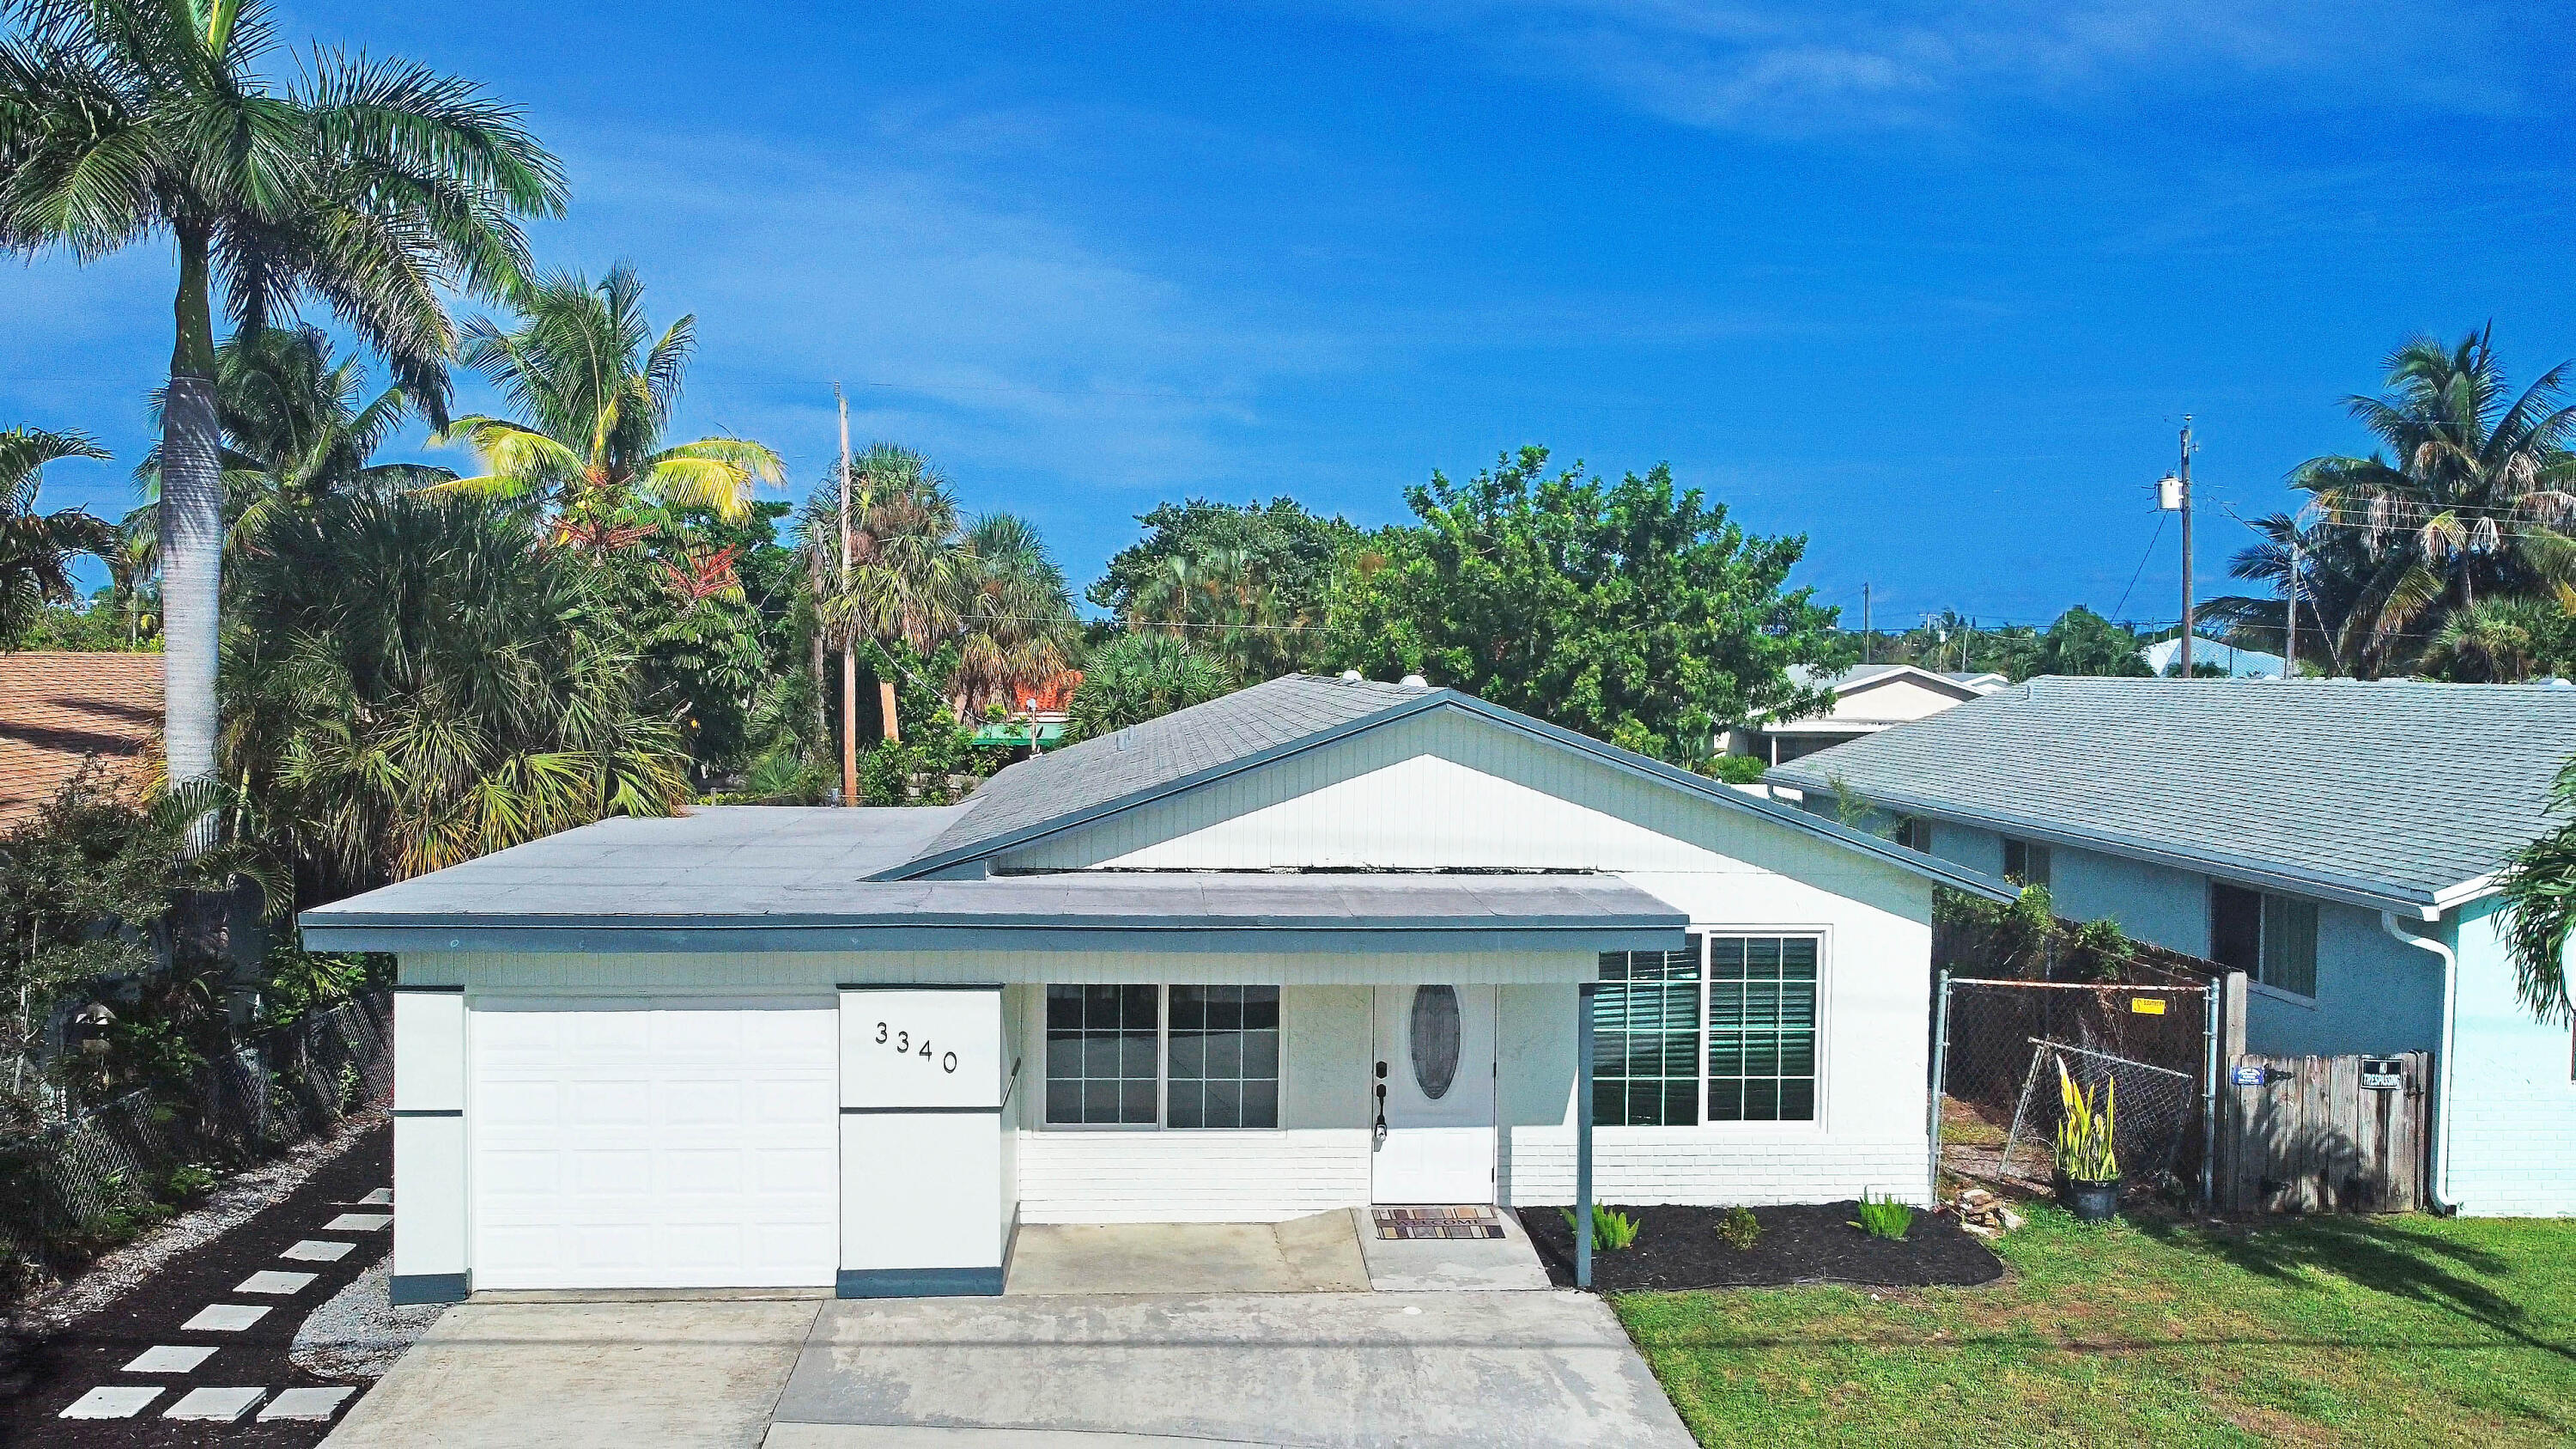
[1312, 1370]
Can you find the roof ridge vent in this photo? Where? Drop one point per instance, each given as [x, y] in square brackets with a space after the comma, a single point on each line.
[1352, 676]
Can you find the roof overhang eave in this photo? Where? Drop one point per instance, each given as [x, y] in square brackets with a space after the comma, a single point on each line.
[630, 935]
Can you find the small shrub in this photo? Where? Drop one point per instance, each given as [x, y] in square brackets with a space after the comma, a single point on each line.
[1884, 1217]
[1739, 1229]
[1612, 1230]
[2086, 1126]
[188, 1180]
[1737, 769]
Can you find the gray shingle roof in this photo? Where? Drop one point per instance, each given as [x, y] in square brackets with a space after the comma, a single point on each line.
[765, 878]
[1160, 752]
[2392, 789]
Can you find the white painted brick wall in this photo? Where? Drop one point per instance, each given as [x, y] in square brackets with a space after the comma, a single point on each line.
[1641, 1166]
[1190, 1177]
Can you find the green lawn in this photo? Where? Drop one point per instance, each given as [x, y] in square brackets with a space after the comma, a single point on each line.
[2394, 1331]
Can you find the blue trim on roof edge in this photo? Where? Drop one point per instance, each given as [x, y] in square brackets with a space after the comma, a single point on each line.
[1940, 872]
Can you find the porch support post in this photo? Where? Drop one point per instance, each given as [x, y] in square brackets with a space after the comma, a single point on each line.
[1583, 1135]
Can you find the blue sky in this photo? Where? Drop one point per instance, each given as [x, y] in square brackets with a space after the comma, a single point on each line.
[1930, 283]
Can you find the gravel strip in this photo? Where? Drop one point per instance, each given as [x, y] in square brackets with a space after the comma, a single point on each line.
[359, 1333]
[234, 1201]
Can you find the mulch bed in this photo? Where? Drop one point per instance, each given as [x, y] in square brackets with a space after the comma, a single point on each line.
[1678, 1247]
[92, 1349]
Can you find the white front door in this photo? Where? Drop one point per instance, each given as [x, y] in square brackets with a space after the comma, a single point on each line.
[659, 1143]
[1434, 1092]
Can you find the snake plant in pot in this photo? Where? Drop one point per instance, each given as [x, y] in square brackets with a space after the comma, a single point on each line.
[2088, 1169]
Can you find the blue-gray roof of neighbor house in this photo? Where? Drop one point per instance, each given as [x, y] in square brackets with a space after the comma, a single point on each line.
[755, 878]
[2388, 794]
[1252, 727]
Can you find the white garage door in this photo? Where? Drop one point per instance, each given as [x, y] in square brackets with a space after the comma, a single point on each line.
[655, 1144]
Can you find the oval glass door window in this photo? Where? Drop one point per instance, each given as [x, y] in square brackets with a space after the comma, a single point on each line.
[1435, 1039]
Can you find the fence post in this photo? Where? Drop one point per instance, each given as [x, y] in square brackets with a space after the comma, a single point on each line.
[2230, 1141]
[2208, 1093]
[1940, 1084]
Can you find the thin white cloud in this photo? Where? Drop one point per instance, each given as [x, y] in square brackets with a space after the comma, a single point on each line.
[1766, 67]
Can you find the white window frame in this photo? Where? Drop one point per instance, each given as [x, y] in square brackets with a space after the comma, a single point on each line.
[2254, 982]
[1816, 1123]
[1162, 1063]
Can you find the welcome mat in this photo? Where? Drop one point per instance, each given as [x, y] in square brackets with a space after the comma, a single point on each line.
[1436, 1222]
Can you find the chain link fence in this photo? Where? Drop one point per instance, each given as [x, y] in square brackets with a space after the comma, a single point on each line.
[91, 1181]
[1999, 1047]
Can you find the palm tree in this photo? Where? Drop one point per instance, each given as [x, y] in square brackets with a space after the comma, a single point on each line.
[2472, 495]
[371, 185]
[2501, 641]
[1018, 621]
[2539, 888]
[410, 687]
[2333, 569]
[294, 430]
[596, 388]
[36, 548]
[909, 568]
[1137, 677]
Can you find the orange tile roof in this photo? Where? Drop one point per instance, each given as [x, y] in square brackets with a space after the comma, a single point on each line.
[57, 710]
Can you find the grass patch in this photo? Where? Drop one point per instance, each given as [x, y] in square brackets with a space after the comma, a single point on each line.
[2406, 1330]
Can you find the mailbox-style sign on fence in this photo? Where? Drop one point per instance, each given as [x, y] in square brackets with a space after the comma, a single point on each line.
[2245, 1076]
[2382, 1074]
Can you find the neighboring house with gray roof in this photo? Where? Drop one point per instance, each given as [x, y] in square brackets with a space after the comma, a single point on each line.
[2336, 840]
[1867, 698]
[1318, 945]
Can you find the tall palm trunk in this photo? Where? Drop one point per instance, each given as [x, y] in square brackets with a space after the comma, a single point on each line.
[192, 531]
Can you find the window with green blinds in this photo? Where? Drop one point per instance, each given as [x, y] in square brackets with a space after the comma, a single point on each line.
[1723, 1030]
[1761, 1029]
[1645, 1038]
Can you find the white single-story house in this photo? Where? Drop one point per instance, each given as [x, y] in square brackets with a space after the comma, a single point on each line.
[2338, 841]
[1319, 944]
[1867, 698]
[2165, 654]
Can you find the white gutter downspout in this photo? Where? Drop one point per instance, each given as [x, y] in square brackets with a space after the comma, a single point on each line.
[2440, 1188]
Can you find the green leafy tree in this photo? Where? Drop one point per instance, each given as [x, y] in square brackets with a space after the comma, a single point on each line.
[1301, 549]
[1631, 611]
[2083, 642]
[595, 388]
[411, 686]
[1226, 605]
[1137, 677]
[374, 186]
[36, 549]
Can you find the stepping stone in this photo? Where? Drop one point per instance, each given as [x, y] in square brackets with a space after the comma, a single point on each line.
[313, 1250]
[357, 1222]
[305, 1404]
[168, 1358]
[117, 1401]
[381, 1197]
[224, 1318]
[271, 1281]
[224, 1404]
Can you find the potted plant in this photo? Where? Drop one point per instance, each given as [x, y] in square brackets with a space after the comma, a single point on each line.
[2088, 1170]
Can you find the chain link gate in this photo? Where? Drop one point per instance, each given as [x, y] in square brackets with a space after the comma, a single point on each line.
[1996, 1048]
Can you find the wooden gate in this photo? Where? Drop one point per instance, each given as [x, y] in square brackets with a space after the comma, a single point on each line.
[2324, 1134]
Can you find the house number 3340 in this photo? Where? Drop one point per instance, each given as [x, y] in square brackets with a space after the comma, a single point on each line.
[901, 1041]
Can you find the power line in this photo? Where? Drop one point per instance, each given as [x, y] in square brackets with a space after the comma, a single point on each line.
[2142, 565]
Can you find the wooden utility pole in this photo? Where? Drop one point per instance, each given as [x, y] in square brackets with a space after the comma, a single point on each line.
[1865, 653]
[2185, 475]
[849, 660]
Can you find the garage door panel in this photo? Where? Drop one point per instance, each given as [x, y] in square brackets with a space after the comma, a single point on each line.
[681, 1145]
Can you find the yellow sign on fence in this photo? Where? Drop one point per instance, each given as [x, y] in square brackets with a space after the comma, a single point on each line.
[2147, 1005]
